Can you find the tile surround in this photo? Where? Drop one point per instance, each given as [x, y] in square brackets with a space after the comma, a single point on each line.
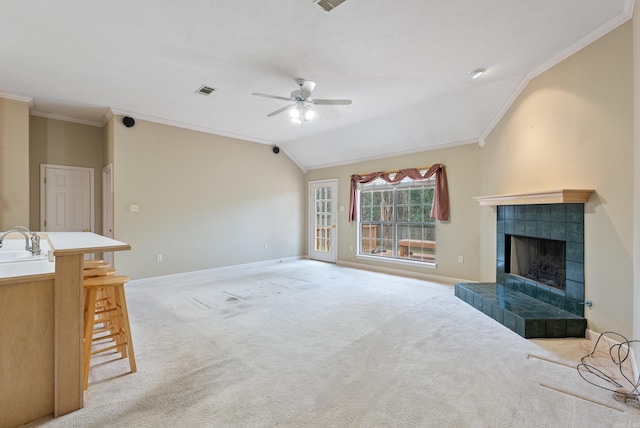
[529, 308]
[563, 222]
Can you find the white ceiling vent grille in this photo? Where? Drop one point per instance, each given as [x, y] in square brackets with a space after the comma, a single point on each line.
[205, 90]
[329, 5]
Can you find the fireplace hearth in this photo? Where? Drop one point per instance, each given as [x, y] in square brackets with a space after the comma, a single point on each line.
[539, 289]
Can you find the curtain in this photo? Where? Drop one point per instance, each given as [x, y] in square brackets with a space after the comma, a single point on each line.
[440, 207]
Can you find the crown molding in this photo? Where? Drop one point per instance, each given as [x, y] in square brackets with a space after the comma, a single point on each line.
[66, 118]
[205, 130]
[423, 149]
[623, 16]
[15, 97]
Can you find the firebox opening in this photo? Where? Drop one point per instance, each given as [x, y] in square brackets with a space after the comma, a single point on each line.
[540, 260]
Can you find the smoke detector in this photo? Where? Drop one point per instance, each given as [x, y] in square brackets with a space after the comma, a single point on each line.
[477, 72]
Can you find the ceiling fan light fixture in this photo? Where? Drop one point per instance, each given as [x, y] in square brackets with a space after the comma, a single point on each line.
[295, 112]
[303, 107]
[477, 72]
[309, 114]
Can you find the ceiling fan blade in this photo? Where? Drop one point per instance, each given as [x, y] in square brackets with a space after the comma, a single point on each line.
[280, 110]
[271, 96]
[306, 88]
[332, 102]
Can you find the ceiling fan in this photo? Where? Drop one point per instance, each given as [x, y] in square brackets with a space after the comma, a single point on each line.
[302, 107]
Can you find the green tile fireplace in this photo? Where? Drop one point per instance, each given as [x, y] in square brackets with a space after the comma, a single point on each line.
[549, 305]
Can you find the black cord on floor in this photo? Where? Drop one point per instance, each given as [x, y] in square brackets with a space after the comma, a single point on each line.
[619, 353]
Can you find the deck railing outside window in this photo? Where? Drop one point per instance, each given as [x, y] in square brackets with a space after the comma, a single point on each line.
[394, 220]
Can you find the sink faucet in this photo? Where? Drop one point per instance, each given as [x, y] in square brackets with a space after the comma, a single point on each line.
[32, 243]
[26, 238]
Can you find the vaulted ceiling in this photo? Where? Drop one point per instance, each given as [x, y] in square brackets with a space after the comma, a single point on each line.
[404, 64]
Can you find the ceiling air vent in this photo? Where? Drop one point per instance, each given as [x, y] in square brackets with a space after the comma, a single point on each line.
[329, 5]
[205, 90]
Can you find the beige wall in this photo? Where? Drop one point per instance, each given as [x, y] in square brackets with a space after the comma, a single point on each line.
[64, 143]
[572, 127]
[204, 200]
[14, 164]
[636, 145]
[457, 237]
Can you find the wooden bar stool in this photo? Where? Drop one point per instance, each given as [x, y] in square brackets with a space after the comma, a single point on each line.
[94, 263]
[112, 313]
[99, 271]
[104, 296]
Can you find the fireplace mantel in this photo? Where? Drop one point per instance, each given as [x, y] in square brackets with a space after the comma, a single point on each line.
[562, 196]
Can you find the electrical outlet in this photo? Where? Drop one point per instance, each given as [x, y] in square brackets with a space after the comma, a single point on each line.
[134, 208]
[460, 259]
[159, 258]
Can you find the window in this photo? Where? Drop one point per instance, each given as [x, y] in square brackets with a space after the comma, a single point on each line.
[394, 220]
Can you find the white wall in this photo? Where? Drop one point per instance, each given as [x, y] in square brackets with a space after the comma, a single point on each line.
[204, 200]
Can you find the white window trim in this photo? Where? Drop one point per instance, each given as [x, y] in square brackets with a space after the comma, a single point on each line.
[394, 261]
[388, 260]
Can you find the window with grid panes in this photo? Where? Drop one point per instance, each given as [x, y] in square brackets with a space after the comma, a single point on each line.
[323, 219]
[394, 220]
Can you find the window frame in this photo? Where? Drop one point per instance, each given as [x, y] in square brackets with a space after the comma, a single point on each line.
[394, 223]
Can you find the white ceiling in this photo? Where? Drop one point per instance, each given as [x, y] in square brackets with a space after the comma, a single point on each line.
[403, 63]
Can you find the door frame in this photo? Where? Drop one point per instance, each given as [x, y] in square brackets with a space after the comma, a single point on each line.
[107, 208]
[43, 191]
[331, 256]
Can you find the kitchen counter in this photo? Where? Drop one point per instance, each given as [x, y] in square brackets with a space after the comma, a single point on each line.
[25, 270]
[61, 244]
[41, 316]
[69, 243]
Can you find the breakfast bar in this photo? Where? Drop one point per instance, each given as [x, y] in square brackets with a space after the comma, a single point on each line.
[41, 318]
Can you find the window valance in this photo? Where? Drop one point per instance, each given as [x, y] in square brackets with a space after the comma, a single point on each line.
[440, 207]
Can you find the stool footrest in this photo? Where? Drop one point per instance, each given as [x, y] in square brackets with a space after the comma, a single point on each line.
[99, 351]
[106, 308]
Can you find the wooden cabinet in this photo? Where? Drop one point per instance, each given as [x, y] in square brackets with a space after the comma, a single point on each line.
[41, 318]
[26, 350]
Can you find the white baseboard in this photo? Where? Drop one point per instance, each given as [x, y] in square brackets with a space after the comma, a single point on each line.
[243, 265]
[400, 272]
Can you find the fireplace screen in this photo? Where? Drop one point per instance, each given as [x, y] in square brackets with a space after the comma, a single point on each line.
[541, 260]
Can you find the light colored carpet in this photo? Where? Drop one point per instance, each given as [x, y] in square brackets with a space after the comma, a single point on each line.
[310, 344]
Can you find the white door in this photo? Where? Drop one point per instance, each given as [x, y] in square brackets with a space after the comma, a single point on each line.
[66, 201]
[323, 209]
